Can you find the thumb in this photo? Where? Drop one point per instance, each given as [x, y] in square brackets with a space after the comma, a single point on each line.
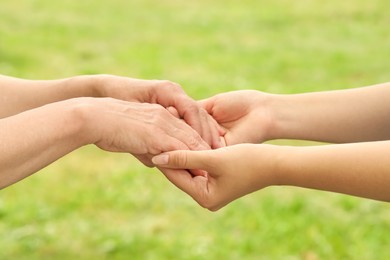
[182, 159]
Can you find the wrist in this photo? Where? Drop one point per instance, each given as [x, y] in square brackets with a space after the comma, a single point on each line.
[270, 162]
[101, 84]
[273, 163]
[278, 107]
[266, 107]
[83, 116]
[83, 86]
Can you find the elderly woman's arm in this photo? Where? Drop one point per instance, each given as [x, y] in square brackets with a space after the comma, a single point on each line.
[35, 138]
[18, 95]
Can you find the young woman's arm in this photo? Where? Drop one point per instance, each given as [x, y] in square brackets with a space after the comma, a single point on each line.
[353, 115]
[360, 169]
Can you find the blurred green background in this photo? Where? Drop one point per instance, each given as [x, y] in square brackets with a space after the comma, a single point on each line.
[96, 205]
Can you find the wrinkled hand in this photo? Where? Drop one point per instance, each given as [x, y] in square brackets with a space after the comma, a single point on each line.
[230, 172]
[167, 94]
[242, 114]
[137, 128]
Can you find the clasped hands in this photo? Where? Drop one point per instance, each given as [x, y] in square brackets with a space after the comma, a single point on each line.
[209, 149]
[148, 118]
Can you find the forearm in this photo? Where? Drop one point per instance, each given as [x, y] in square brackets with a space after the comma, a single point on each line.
[354, 115]
[360, 169]
[18, 95]
[33, 139]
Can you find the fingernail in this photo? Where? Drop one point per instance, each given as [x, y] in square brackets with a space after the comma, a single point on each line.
[160, 159]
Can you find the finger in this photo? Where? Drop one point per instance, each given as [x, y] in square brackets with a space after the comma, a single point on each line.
[172, 94]
[190, 112]
[207, 131]
[194, 116]
[217, 133]
[173, 111]
[183, 159]
[169, 143]
[184, 133]
[197, 118]
[210, 129]
[185, 181]
[208, 105]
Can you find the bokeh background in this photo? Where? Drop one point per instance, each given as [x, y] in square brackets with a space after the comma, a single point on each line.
[97, 205]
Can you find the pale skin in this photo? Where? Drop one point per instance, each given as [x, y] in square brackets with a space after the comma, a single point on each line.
[41, 121]
[358, 119]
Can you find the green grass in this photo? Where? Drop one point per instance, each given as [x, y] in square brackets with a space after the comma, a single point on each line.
[96, 205]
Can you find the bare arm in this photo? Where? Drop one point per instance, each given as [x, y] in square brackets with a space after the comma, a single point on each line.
[18, 95]
[35, 138]
[360, 169]
[30, 141]
[353, 115]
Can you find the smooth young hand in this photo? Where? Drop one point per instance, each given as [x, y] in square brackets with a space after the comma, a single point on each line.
[358, 169]
[242, 114]
[230, 172]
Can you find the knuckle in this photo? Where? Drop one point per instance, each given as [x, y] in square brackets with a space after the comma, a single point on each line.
[154, 150]
[159, 114]
[155, 143]
[156, 107]
[176, 145]
[193, 108]
[191, 105]
[194, 141]
[180, 159]
[172, 86]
